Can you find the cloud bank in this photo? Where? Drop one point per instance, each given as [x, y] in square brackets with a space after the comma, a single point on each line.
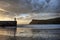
[13, 8]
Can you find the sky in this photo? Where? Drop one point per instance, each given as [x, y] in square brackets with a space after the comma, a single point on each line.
[29, 9]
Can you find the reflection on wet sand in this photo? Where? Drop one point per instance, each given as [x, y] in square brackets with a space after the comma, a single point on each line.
[29, 34]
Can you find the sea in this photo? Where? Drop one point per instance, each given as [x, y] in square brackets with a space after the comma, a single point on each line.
[31, 32]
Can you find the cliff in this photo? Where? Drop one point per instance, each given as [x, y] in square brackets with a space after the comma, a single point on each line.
[49, 21]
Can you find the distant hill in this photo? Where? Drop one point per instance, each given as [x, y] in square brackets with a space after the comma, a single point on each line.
[49, 21]
[8, 23]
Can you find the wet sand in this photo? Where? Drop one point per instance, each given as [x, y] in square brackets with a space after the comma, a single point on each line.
[29, 34]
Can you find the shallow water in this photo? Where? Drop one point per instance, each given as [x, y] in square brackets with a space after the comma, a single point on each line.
[31, 32]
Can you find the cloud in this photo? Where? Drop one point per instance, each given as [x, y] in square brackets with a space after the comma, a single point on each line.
[45, 16]
[27, 6]
[13, 8]
[40, 5]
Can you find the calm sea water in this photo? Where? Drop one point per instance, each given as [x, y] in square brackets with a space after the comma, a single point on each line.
[43, 26]
[38, 34]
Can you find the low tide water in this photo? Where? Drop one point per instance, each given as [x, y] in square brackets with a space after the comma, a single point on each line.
[28, 32]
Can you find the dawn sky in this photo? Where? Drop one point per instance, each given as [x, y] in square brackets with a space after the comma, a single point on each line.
[29, 9]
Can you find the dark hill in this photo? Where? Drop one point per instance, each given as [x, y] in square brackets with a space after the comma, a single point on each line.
[49, 21]
[8, 23]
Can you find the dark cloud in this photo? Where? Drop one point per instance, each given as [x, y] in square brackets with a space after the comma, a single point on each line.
[22, 6]
[15, 7]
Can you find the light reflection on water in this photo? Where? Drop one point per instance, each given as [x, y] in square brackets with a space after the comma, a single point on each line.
[37, 33]
[42, 26]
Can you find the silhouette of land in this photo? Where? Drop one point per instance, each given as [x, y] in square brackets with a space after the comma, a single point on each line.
[8, 23]
[49, 21]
